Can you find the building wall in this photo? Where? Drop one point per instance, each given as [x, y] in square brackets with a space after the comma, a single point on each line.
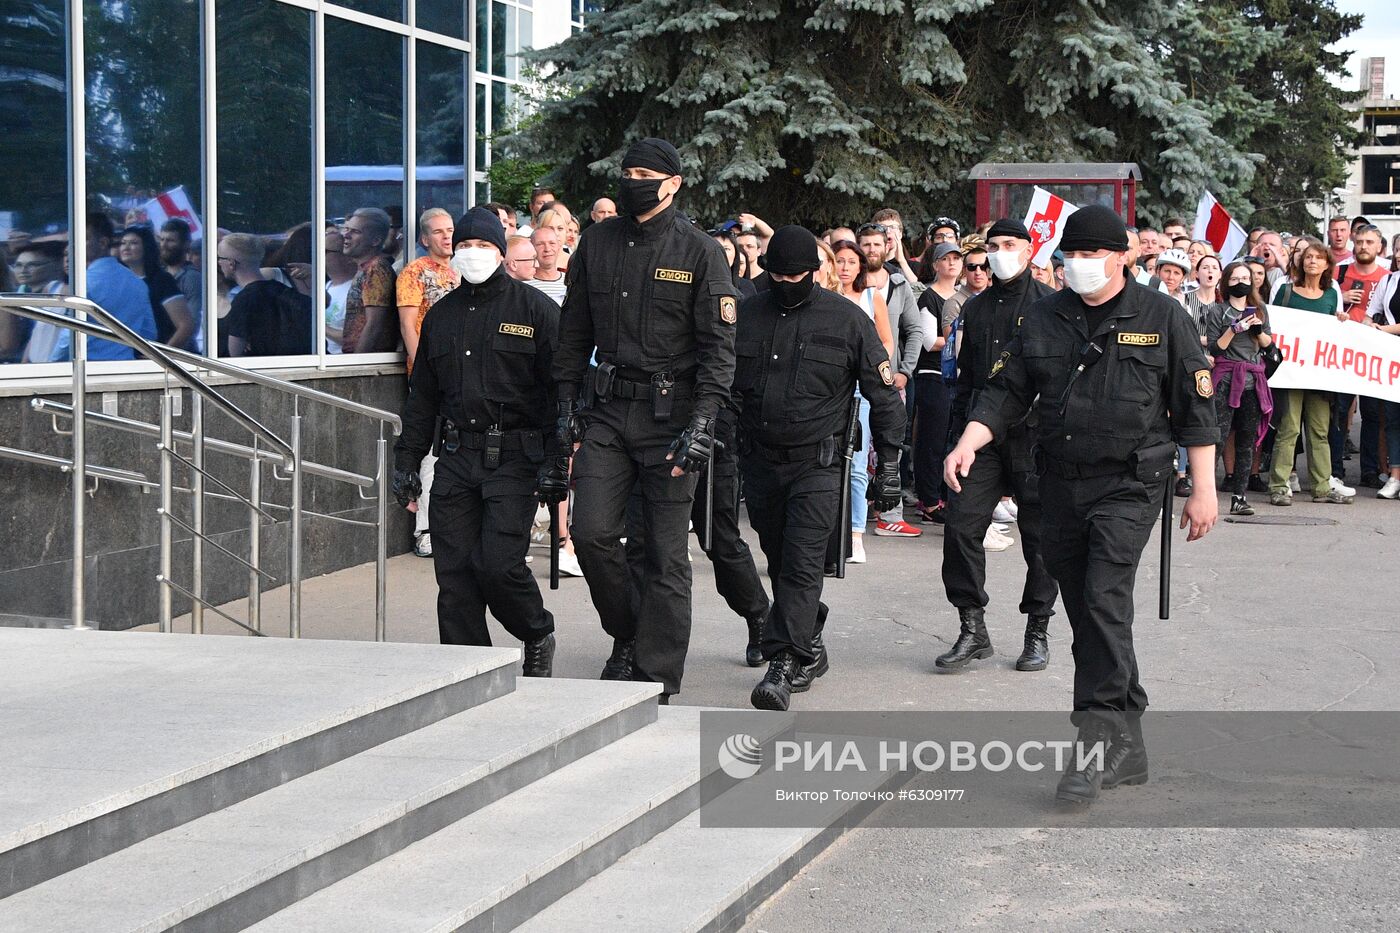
[123, 528]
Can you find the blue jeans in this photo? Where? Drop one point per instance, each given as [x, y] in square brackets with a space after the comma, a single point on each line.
[860, 471]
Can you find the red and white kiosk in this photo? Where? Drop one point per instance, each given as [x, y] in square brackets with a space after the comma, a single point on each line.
[1005, 189]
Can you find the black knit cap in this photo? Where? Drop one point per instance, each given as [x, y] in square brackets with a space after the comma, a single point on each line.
[1094, 228]
[655, 154]
[1008, 227]
[480, 224]
[791, 251]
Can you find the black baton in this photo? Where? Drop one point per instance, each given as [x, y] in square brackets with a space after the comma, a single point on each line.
[707, 533]
[1164, 599]
[554, 544]
[843, 530]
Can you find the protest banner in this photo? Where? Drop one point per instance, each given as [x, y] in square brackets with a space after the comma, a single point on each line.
[1321, 352]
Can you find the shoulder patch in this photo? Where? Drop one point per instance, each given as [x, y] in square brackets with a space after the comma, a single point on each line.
[675, 275]
[1140, 340]
[728, 310]
[1204, 387]
[885, 373]
[518, 330]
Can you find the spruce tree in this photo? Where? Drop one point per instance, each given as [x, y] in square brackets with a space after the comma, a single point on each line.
[820, 111]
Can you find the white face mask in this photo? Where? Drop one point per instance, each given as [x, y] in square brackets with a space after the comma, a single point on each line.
[1087, 276]
[475, 264]
[1005, 264]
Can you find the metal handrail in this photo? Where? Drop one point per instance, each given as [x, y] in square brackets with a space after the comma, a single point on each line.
[32, 307]
[174, 363]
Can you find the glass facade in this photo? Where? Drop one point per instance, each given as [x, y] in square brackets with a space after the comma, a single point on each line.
[308, 134]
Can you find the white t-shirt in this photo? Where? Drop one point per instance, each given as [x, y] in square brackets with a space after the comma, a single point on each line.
[335, 311]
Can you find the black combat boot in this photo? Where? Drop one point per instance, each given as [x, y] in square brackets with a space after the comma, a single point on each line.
[539, 657]
[973, 643]
[1127, 757]
[753, 654]
[1036, 655]
[775, 689]
[619, 666]
[1083, 775]
[819, 665]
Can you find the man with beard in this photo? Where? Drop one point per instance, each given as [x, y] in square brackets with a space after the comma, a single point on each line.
[174, 242]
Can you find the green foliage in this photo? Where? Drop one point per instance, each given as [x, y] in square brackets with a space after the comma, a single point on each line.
[823, 110]
[33, 112]
[512, 178]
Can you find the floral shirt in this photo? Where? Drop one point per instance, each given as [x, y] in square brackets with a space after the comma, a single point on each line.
[372, 286]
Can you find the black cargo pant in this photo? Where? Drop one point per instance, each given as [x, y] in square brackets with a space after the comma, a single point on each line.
[1094, 530]
[999, 469]
[932, 414]
[794, 507]
[625, 445]
[481, 531]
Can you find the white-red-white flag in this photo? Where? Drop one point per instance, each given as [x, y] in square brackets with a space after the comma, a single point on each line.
[1046, 223]
[1218, 228]
[174, 204]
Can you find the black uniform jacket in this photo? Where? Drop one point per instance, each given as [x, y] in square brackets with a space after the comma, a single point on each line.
[990, 320]
[1151, 385]
[484, 358]
[797, 372]
[653, 297]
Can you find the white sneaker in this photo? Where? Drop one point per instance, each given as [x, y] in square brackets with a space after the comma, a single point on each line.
[529, 558]
[857, 551]
[1391, 489]
[568, 565]
[1293, 485]
[423, 544]
[1005, 511]
[1000, 527]
[1339, 486]
[996, 541]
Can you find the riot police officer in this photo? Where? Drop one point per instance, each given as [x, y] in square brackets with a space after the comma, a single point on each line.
[481, 396]
[801, 352]
[1004, 466]
[1122, 380]
[653, 294]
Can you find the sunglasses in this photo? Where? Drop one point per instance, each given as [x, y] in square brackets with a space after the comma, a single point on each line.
[976, 266]
[878, 228]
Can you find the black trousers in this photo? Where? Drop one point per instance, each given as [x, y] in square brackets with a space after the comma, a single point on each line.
[794, 508]
[625, 446]
[1244, 421]
[1094, 531]
[999, 469]
[932, 413]
[481, 531]
[736, 577]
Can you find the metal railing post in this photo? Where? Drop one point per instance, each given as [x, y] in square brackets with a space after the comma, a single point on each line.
[197, 512]
[79, 582]
[255, 540]
[166, 501]
[381, 554]
[294, 530]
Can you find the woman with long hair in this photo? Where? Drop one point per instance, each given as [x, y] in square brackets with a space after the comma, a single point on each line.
[175, 323]
[1237, 331]
[850, 273]
[1308, 411]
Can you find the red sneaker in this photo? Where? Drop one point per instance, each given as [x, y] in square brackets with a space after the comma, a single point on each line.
[897, 530]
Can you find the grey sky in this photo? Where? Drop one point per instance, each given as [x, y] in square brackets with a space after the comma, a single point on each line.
[1379, 35]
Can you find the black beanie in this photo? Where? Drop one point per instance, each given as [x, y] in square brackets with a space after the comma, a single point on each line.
[791, 251]
[480, 224]
[1094, 228]
[1008, 227]
[655, 154]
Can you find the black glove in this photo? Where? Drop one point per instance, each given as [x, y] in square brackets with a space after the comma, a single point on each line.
[407, 486]
[568, 430]
[886, 493]
[693, 449]
[552, 484]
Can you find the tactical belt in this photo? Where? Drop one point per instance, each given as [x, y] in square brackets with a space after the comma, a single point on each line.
[510, 440]
[790, 454]
[1046, 464]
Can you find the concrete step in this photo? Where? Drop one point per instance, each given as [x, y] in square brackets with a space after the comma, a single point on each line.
[505, 862]
[707, 879]
[113, 737]
[234, 867]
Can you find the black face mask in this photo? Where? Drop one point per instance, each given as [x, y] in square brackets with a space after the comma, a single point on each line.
[638, 196]
[792, 294]
[1239, 290]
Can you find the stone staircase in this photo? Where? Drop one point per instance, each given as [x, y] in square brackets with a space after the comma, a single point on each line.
[172, 782]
